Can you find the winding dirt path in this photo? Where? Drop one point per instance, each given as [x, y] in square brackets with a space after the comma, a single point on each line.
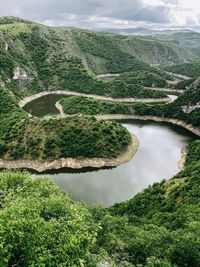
[28, 99]
[189, 127]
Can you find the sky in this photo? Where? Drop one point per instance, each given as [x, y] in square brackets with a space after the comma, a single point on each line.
[91, 14]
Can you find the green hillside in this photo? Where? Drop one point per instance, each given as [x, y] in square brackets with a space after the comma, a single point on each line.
[30, 138]
[190, 98]
[188, 40]
[188, 69]
[36, 58]
[158, 227]
[156, 51]
[43, 57]
[36, 218]
[40, 225]
[151, 78]
[88, 106]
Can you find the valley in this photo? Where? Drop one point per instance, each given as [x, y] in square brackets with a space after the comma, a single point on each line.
[99, 149]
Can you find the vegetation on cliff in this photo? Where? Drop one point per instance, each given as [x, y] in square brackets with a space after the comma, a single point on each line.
[185, 84]
[187, 69]
[67, 59]
[189, 98]
[39, 59]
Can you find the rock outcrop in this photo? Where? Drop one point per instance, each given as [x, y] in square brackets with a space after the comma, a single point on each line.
[22, 76]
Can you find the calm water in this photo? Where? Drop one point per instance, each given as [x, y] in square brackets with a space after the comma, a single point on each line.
[156, 159]
[44, 105]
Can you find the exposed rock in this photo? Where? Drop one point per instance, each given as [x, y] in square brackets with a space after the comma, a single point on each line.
[190, 108]
[74, 163]
[181, 162]
[8, 80]
[103, 264]
[108, 75]
[60, 108]
[6, 46]
[22, 76]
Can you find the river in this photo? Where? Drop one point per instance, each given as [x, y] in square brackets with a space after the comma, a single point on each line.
[156, 159]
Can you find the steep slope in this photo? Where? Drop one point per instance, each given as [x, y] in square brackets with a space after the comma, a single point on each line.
[158, 227]
[189, 69]
[155, 51]
[36, 58]
[189, 40]
[39, 46]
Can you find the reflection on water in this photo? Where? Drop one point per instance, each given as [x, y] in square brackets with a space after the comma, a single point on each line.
[156, 159]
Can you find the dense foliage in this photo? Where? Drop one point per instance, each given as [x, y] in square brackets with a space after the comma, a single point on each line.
[76, 136]
[88, 106]
[158, 227]
[42, 226]
[145, 78]
[48, 64]
[188, 69]
[31, 138]
[185, 84]
[193, 154]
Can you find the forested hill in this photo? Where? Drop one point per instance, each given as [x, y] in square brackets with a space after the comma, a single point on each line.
[99, 52]
[191, 69]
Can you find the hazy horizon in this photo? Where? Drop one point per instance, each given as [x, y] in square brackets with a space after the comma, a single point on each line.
[102, 14]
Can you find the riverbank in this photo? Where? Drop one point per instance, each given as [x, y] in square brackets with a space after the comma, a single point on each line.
[189, 127]
[28, 99]
[166, 90]
[60, 109]
[73, 163]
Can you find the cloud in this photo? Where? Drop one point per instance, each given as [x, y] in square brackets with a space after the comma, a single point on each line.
[93, 13]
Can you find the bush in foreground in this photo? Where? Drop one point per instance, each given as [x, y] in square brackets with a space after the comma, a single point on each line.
[40, 225]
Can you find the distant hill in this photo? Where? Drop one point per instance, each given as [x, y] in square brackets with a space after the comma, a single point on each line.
[34, 57]
[143, 31]
[98, 52]
[189, 69]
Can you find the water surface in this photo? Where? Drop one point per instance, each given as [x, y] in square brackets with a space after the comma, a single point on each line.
[44, 105]
[156, 159]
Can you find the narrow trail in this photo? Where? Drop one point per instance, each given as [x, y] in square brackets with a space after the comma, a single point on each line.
[167, 99]
[28, 99]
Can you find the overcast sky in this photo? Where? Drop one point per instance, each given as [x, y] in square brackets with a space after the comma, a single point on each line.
[107, 13]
